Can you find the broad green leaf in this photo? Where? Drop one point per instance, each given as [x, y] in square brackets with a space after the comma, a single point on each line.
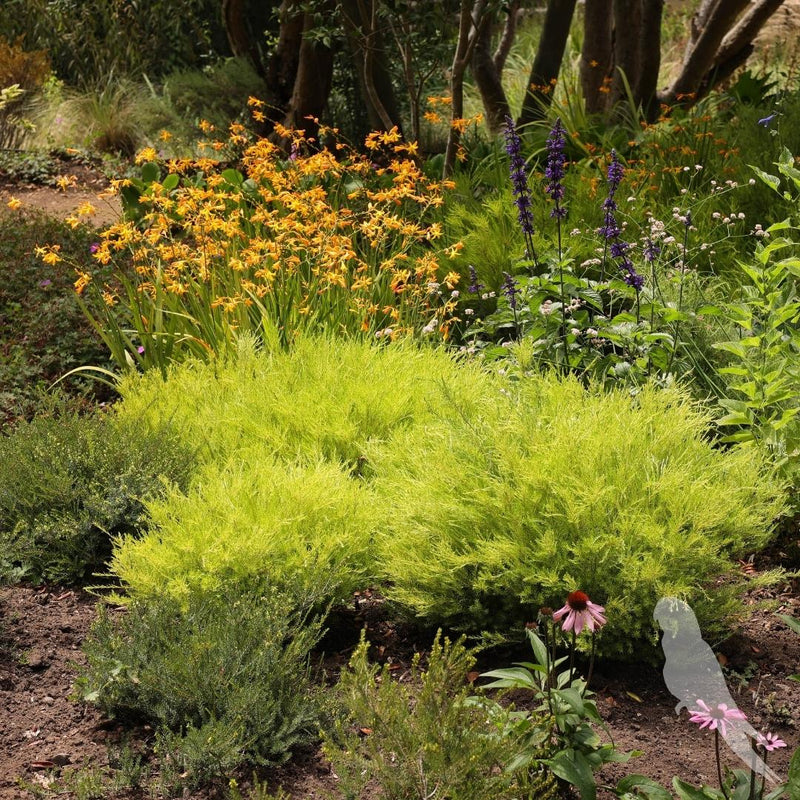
[644, 787]
[571, 766]
[688, 792]
[171, 182]
[793, 784]
[792, 622]
[773, 181]
[150, 172]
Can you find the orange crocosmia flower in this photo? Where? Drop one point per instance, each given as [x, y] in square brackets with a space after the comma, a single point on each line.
[84, 279]
[14, 203]
[148, 154]
[86, 210]
[165, 135]
[432, 117]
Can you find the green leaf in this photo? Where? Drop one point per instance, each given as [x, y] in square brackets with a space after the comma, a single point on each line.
[688, 792]
[773, 181]
[512, 678]
[571, 766]
[793, 784]
[793, 623]
[233, 176]
[171, 182]
[150, 172]
[642, 785]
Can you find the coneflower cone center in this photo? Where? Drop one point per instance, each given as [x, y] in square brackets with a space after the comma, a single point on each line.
[577, 601]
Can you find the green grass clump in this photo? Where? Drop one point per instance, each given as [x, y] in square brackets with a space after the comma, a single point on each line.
[307, 526]
[69, 485]
[322, 398]
[224, 677]
[285, 491]
[553, 488]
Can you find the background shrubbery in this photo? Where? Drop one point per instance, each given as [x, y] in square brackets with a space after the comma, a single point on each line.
[71, 484]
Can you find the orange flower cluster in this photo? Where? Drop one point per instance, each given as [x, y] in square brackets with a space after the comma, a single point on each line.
[322, 237]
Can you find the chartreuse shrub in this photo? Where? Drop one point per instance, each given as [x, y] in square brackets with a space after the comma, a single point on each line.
[323, 397]
[555, 487]
[70, 484]
[224, 677]
[304, 525]
[284, 436]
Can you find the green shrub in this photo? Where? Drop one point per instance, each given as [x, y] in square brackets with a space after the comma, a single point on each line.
[420, 737]
[307, 526]
[285, 491]
[224, 676]
[69, 485]
[321, 398]
[554, 487]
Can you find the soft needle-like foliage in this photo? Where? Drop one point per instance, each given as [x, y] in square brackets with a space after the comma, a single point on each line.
[554, 487]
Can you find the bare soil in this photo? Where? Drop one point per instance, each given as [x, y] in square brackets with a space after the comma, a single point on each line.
[84, 183]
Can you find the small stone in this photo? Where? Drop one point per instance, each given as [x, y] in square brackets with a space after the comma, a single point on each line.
[48, 700]
[36, 659]
[61, 759]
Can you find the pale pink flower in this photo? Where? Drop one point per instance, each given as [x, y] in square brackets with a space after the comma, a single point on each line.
[770, 741]
[716, 717]
[580, 612]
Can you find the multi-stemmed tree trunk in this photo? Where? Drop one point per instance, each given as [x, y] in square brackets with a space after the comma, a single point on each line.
[622, 46]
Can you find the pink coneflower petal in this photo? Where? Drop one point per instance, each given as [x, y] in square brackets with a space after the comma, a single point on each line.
[715, 718]
[580, 613]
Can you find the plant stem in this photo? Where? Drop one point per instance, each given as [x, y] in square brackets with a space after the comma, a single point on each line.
[719, 764]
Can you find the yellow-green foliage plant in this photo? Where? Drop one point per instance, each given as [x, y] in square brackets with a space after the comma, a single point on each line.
[553, 488]
[324, 397]
[284, 491]
[300, 525]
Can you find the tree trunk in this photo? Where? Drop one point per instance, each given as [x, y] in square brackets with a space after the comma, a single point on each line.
[240, 38]
[282, 65]
[370, 62]
[737, 45]
[709, 26]
[597, 56]
[488, 80]
[646, 88]
[627, 48]
[507, 38]
[547, 64]
[312, 84]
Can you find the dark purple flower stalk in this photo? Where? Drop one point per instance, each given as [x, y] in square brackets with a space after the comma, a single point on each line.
[554, 172]
[475, 286]
[611, 231]
[511, 290]
[651, 251]
[555, 169]
[519, 182]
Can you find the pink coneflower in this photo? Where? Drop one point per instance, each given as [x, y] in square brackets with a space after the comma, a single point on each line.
[717, 717]
[580, 611]
[769, 741]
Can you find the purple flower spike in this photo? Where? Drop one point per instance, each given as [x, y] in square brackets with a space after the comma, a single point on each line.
[519, 177]
[475, 286]
[555, 169]
[94, 247]
[510, 290]
[651, 251]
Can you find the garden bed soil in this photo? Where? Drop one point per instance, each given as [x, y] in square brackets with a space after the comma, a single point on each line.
[86, 183]
[44, 734]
